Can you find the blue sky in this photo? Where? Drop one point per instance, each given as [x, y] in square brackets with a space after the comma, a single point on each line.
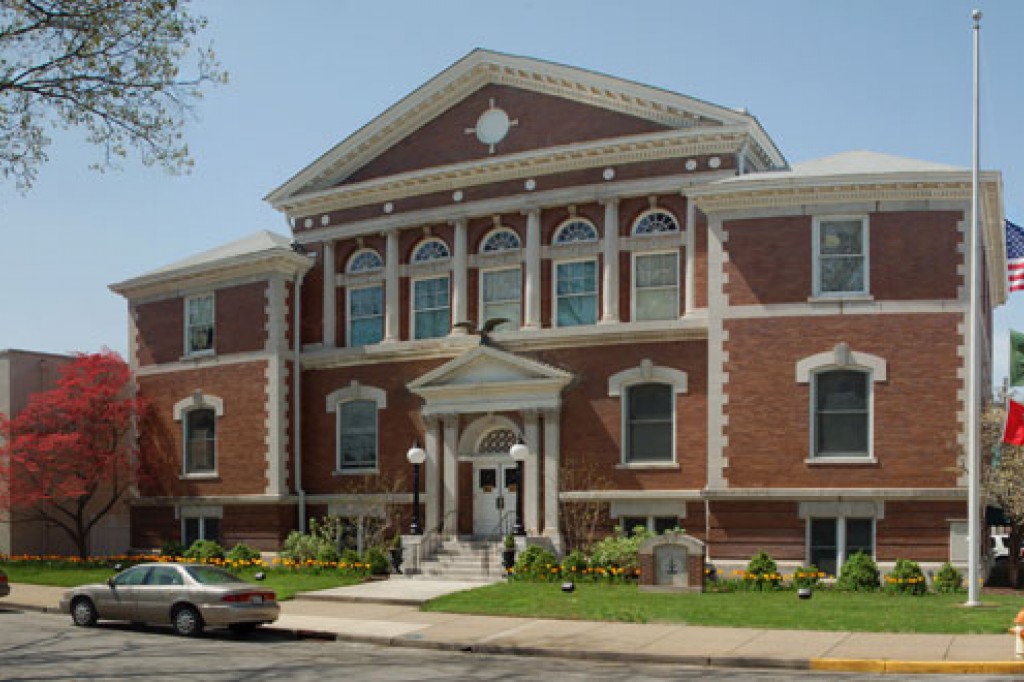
[822, 77]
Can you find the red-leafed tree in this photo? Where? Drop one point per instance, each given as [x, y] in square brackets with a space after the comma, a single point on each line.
[67, 458]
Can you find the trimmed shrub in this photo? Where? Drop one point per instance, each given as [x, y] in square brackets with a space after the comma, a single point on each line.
[905, 578]
[762, 572]
[326, 554]
[299, 547]
[204, 550]
[172, 548]
[807, 576]
[243, 552]
[859, 574]
[535, 563]
[619, 554]
[948, 579]
[575, 563]
[378, 561]
[350, 556]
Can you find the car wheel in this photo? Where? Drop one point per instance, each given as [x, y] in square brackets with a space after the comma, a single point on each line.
[83, 613]
[187, 621]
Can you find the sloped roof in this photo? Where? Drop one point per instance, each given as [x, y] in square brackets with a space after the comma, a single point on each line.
[482, 67]
[256, 248]
[861, 162]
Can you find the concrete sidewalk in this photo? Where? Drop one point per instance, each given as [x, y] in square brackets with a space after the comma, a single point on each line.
[384, 613]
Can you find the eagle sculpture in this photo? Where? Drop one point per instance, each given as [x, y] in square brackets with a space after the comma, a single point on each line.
[485, 331]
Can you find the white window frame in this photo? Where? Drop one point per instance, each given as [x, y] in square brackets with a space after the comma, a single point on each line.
[554, 290]
[181, 410]
[447, 276]
[816, 256]
[557, 234]
[189, 351]
[633, 293]
[348, 310]
[841, 358]
[514, 324]
[840, 512]
[352, 393]
[647, 373]
[640, 218]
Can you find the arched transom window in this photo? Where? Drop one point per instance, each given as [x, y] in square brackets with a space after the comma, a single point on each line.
[574, 231]
[655, 222]
[502, 239]
[497, 442]
[365, 260]
[431, 250]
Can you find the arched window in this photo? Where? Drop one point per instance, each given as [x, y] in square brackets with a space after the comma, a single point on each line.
[431, 250]
[497, 442]
[655, 222]
[365, 260]
[575, 230]
[502, 239]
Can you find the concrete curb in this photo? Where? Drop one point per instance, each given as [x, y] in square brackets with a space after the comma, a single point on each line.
[880, 666]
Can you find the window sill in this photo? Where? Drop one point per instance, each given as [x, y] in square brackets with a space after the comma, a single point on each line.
[366, 471]
[841, 298]
[198, 355]
[212, 476]
[641, 466]
[845, 461]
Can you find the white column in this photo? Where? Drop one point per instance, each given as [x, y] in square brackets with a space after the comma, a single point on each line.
[531, 472]
[533, 277]
[330, 297]
[460, 309]
[432, 491]
[451, 477]
[691, 247]
[552, 455]
[391, 297]
[610, 253]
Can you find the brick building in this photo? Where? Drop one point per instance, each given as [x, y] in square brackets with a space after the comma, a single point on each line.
[683, 326]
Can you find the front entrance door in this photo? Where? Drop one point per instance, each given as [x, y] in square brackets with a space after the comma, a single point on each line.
[494, 498]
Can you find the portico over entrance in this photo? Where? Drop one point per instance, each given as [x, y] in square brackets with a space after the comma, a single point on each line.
[475, 407]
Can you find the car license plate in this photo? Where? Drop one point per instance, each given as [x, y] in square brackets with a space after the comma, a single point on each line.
[257, 599]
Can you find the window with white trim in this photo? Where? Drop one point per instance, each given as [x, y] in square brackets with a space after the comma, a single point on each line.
[199, 324]
[656, 286]
[365, 315]
[832, 541]
[649, 426]
[431, 250]
[356, 427]
[501, 239]
[840, 256]
[575, 293]
[431, 308]
[357, 435]
[501, 296]
[200, 428]
[842, 416]
[199, 528]
[648, 399]
[364, 260]
[574, 231]
[655, 221]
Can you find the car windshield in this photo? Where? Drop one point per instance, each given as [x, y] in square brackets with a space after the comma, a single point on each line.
[211, 575]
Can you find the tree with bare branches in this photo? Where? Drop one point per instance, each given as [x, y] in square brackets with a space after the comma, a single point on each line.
[124, 72]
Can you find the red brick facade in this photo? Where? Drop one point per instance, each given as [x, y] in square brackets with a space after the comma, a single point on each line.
[737, 471]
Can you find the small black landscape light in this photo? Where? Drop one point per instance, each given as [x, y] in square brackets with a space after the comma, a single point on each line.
[568, 587]
[804, 593]
[260, 576]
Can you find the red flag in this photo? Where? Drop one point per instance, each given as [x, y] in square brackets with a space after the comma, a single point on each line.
[1013, 432]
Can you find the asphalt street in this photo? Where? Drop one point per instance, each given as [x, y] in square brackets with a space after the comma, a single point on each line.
[38, 646]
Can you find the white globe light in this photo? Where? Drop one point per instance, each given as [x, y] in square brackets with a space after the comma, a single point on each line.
[519, 452]
[416, 455]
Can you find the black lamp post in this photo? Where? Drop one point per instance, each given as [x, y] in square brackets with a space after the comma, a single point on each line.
[519, 452]
[416, 456]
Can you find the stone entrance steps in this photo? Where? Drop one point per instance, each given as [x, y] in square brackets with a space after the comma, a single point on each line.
[464, 559]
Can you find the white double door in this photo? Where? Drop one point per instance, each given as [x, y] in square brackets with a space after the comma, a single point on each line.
[494, 497]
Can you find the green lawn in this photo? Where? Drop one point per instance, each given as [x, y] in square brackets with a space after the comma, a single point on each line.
[867, 612]
[286, 583]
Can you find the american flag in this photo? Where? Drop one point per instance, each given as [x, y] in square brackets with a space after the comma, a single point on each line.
[1015, 256]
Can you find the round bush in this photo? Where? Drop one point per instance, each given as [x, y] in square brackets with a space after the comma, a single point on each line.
[905, 578]
[172, 548]
[378, 561]
[762, 572]
[243, 552]
[859, 574]
[948, 579]
[807, 576]
[204, 550]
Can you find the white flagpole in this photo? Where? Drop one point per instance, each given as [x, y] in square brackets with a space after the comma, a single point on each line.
[973, 462]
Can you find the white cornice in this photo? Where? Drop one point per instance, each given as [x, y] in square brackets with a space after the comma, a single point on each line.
[549, 160]
[482, 67]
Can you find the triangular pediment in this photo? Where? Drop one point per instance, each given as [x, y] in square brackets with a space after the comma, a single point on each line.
[531, 92]
[487, 379]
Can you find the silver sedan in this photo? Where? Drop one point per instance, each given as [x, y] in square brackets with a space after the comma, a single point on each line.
[187, 597]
